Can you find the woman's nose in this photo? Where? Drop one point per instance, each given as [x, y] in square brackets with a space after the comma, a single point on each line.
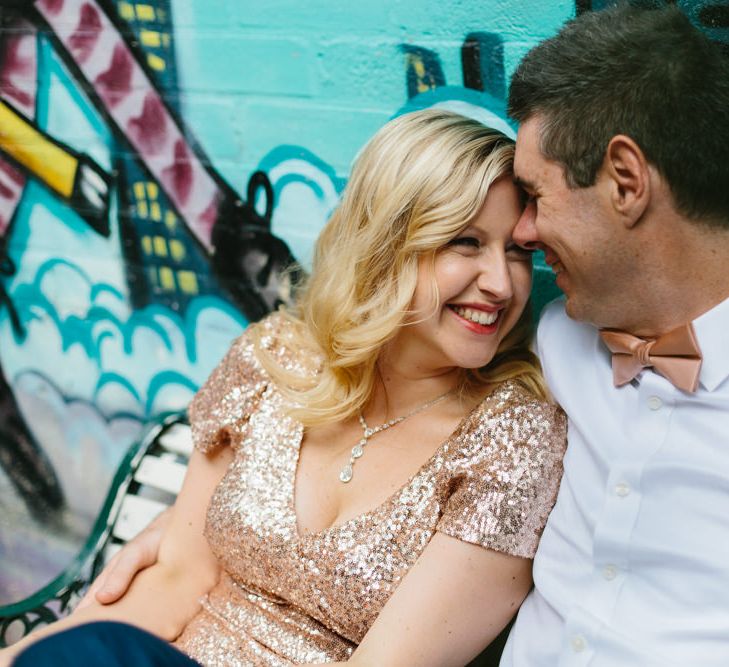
[495, 278]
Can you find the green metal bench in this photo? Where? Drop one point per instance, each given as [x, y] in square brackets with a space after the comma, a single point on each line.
[146, 482]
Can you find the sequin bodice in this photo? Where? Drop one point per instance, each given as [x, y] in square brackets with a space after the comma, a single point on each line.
[286, 598]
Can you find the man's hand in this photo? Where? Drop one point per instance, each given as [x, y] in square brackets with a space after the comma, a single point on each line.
[135, 556]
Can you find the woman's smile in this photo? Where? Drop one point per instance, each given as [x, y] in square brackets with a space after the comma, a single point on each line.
[480, 319]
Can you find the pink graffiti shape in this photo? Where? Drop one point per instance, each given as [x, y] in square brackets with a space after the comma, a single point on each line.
[51, 6]
[208, 218]
[149, 130]
[12, 92]
[87, 32]
[178, 176]
[14, 64]
[5, 191]
[114, 84]
[12, 60]
[12, 173]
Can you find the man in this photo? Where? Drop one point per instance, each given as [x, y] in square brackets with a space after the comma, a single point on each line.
[623, 150]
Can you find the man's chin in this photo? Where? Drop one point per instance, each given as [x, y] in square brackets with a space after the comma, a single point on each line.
[569, 308]
[583, 310]
[574, 309]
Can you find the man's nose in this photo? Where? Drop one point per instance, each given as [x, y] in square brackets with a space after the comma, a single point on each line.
[525, 233]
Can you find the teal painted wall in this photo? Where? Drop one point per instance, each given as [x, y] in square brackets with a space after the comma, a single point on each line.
[118, 296]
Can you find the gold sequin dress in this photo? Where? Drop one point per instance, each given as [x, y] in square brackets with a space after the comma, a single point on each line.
[285, 598]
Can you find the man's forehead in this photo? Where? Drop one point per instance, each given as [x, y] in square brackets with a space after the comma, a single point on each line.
[527, 138]
[523, 165]
[528, 158]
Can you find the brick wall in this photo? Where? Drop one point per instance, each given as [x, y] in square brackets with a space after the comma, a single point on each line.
[137, 242]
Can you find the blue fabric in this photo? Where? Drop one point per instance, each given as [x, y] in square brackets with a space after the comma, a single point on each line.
[103, 643]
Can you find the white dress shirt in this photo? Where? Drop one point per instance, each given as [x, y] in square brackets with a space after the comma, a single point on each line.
[633, 566]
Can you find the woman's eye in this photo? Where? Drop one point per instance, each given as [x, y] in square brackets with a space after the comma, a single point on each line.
[517, 252]
[465, 242]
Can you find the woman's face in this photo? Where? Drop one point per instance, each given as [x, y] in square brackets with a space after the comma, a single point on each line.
[483, 281]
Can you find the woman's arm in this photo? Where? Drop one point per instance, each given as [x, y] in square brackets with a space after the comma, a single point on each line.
[212, 423]
[164, 597]
[136, 555]
[453, 602]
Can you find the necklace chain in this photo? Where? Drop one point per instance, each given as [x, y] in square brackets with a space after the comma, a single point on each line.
[348, 471]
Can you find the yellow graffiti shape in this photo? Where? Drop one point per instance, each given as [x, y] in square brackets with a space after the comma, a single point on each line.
[187, 281]
[166, 278]
[177, 250]
[160, 246]
[156, 63]
[28, 146]
[145, 12]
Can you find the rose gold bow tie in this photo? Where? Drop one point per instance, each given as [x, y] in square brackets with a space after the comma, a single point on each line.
[675, 355]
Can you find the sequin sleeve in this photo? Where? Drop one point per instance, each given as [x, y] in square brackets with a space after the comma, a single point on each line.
[220, 410]
[507, 476]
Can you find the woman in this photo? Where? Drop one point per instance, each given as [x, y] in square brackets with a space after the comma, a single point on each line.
[379, 463]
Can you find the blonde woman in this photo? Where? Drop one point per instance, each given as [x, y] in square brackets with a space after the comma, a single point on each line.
[373, 469]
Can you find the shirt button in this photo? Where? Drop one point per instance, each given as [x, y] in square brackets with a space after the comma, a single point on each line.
[622, 489]
[609, 572]
[655, 403]
[578, 643]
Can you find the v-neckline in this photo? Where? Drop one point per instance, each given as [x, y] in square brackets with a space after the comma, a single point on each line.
[338, 526]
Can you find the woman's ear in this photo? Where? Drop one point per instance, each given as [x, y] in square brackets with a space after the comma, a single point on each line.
[629, 174]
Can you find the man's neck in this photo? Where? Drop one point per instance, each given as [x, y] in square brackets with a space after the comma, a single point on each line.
[690, 280]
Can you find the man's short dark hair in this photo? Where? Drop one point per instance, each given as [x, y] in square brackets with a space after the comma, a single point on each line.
[645, 73]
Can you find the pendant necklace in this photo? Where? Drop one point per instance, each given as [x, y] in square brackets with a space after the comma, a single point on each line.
[347, 472]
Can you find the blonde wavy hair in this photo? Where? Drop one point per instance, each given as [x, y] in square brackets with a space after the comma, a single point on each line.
[416, 184]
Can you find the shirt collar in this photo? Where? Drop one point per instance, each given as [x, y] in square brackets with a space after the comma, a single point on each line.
[711, 328]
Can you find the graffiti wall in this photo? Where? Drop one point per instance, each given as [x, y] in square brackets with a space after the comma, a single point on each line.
[161, 163]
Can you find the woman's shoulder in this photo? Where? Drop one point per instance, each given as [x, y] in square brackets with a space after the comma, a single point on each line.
[280, 337]
[504, 471]
[512, 416]
[513, 398]
[220, 410]
[269, 331]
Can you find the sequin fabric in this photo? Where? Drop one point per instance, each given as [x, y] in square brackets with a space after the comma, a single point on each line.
[286, 598]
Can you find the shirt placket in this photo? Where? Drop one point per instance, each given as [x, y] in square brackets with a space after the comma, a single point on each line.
[647, 415]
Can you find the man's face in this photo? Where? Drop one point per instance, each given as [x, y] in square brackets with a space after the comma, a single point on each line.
[580, 238]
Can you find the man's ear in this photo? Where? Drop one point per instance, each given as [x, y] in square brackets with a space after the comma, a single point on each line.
[629, 175]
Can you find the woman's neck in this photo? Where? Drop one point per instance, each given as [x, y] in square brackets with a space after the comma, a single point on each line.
[400, 388]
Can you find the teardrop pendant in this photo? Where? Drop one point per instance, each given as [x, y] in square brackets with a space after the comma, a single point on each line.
[346, 473]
